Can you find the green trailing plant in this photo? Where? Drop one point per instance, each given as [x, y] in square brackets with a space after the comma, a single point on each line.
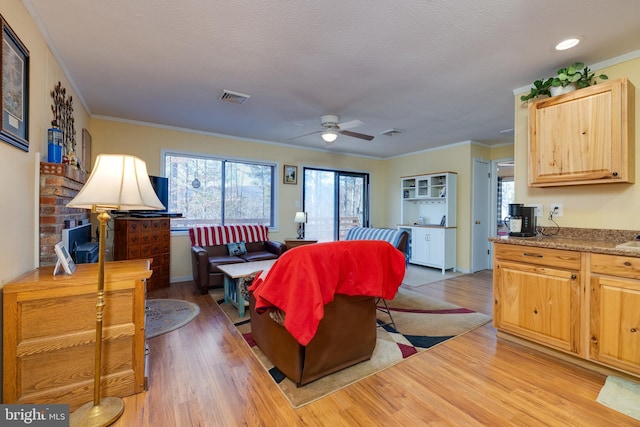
[576, 73]
[540, 88]
[589, 78]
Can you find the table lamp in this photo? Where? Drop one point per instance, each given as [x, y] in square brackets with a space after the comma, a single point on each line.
[117, 182]
[300, 218]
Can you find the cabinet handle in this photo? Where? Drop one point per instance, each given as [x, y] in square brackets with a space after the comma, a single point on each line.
[573, 277]
[615, 174]
[634, 330]
[532, 255]
[627, 263]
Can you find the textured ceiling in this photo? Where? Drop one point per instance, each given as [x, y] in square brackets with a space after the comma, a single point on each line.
[443, 71]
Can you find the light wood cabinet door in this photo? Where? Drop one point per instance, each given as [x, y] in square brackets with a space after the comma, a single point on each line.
[615, 316]
[583, 137]
[539, 303]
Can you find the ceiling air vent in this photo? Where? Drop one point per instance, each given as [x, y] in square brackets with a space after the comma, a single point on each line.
[233, 97]
[391, 132]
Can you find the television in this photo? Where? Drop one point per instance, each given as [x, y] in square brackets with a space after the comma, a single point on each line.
[160, 185]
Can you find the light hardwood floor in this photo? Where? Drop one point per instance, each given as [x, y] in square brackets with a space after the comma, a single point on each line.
[204, 374]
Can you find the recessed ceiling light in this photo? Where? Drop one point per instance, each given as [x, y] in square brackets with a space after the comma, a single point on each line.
[568, 43]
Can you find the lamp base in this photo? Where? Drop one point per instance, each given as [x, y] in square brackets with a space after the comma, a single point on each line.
[105, 413]
[300, 231]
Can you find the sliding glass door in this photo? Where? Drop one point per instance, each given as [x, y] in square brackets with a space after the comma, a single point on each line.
[334, 202]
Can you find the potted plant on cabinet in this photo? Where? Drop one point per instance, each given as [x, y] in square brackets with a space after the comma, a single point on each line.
[575, 76]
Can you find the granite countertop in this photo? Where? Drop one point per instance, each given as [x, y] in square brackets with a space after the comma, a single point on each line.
[578, 239]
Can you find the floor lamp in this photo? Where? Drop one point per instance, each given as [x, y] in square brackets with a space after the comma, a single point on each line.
[116, 182]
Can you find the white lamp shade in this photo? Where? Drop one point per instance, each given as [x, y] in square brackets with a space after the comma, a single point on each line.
[300, 217]
[117, 182]
[329, 135]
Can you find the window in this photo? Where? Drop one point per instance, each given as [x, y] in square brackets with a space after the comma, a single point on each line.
[210, 190]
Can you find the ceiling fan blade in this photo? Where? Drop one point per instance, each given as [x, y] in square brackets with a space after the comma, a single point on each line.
[306, 134]
[356, 135]
[350, 124]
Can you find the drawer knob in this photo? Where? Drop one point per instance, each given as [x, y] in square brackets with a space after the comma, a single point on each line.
[615, 174]
[627, 263]
[634, 330]
[573, 277]
[535, 311]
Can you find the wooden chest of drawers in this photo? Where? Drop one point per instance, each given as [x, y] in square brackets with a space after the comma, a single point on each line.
[49, 334]
[147, 238]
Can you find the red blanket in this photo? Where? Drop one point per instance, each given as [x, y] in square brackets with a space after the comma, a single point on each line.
[306, 278]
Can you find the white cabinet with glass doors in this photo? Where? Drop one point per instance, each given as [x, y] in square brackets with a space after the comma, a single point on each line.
[428, 212]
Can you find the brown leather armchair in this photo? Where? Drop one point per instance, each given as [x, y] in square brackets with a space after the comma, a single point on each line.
[346, 332]
[334, 347]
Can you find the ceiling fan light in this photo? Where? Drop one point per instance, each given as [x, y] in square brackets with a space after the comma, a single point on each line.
[329, 135]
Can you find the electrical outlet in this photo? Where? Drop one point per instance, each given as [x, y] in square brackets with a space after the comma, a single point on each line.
[539, 208]
[556, 209]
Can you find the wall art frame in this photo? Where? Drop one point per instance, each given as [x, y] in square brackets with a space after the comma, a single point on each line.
[86, 151]
[290, 174]
[14, 89]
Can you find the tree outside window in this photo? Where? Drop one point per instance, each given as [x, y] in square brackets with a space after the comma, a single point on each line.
[210, 191]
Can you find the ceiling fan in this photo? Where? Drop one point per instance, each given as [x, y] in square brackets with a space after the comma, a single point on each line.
[332, 128]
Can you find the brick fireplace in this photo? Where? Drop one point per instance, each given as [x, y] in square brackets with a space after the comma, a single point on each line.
[59, 183]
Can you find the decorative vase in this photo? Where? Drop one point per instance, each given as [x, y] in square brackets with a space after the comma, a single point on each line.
[559, 90]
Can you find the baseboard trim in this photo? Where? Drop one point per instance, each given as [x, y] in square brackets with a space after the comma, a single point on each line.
[566, 357]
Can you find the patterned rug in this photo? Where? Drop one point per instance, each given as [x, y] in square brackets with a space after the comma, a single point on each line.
[421, 323]
[166, 315]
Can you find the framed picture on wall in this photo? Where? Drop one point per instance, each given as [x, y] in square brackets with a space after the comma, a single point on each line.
[86, 151]
[290, 174]
[14, 73]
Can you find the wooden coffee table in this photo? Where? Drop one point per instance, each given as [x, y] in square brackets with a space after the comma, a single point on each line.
[232, 275]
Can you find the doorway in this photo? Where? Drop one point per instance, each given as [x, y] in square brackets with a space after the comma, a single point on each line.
[505, 194]
[481, 216]
[334, 201]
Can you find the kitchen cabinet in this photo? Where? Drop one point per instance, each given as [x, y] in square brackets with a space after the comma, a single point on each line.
[614, 337]
[583, 137]
[431, 198]
[433, 247]
[537, 295]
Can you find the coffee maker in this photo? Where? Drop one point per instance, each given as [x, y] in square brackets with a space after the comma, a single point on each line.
[521, 220]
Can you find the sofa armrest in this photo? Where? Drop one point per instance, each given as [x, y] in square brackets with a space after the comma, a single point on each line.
[200, 266]
[274, 247]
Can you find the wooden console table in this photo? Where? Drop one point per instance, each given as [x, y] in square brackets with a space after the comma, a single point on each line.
[292, 243]
[49, 334]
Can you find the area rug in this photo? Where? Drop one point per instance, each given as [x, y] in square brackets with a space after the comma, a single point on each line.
[166, 315]
[419, 276]
[621, 395]
[421, 323]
